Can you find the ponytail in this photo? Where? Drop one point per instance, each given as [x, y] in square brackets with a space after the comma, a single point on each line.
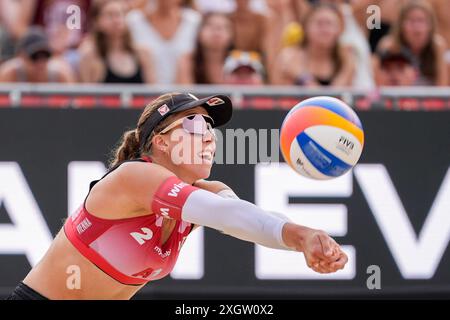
[128, 149]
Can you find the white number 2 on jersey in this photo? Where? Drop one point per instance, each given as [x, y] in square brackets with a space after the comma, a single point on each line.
[142, 237]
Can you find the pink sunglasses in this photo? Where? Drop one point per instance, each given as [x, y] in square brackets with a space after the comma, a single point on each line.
[194, 123]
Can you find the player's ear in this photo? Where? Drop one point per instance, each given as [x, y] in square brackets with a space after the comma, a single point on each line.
[159, 142]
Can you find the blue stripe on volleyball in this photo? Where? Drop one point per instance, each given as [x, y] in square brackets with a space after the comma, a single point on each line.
[321, 159]
[334, 105]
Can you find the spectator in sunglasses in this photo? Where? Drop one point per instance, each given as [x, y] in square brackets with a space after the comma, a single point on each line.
[33, 62]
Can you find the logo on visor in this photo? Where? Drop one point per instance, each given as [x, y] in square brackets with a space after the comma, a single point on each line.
[163, 109]
[214, 102]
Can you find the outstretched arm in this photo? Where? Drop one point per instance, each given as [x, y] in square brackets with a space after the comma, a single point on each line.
[245, 221]
[174, 199]
[238, 218]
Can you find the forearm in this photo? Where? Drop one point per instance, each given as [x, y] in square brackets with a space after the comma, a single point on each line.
[229, 194]
[175, 199]
[218, 207]
[238, 218]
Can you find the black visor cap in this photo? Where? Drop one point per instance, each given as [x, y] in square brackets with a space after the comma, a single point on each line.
[219, 108]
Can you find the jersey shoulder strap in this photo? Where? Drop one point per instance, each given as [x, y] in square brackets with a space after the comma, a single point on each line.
[93, 183]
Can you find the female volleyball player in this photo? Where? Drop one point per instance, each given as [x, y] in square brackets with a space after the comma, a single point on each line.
[134, 220]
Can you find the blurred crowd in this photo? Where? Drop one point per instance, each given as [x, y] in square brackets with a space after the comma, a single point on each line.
[253, 42]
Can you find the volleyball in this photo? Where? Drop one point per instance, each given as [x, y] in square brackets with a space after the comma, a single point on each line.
[321, 138]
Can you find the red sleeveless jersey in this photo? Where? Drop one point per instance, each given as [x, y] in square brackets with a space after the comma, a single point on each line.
[129, 250]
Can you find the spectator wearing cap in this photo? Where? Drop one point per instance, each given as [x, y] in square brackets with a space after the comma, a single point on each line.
[396, 68]
[243, 68]
[33, 62]
[415, 31]
[214, 43]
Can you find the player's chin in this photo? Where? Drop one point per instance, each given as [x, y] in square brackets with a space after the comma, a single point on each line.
[201, 170]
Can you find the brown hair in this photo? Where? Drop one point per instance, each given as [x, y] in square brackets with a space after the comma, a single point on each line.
[129, 145]
[100, 39]
[427, 58]
[337, 53]
[200, 72]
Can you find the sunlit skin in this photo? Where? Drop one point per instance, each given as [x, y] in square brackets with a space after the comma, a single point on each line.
[37, 68]
[166, 17]
[165, 150]
[323, 254]
[126, 193]
[168, 4]
[50, 276]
